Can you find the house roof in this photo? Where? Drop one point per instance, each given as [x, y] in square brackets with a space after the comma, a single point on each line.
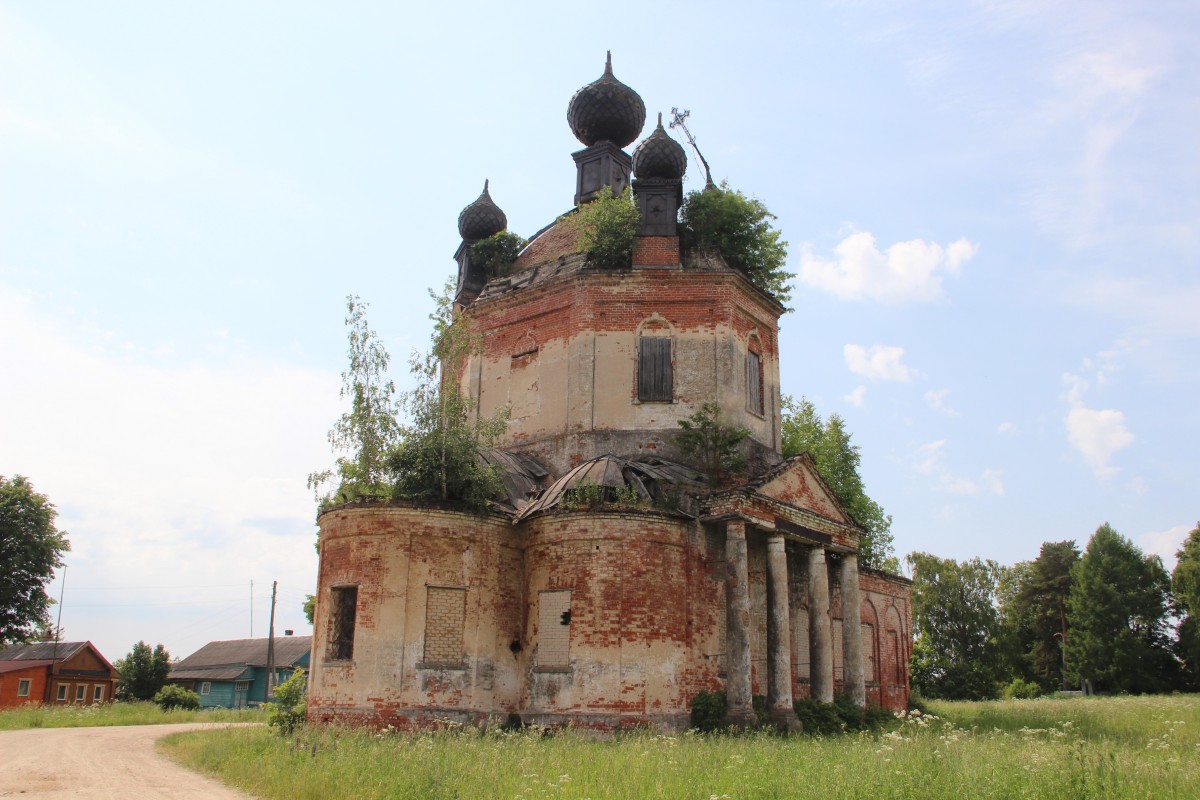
[242, 653]
[208, 673]
[42, 651]
[27, 663]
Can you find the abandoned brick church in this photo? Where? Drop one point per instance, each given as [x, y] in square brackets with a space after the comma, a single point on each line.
[608, 614]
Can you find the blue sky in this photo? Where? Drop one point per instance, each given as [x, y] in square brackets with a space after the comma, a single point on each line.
[991, 208]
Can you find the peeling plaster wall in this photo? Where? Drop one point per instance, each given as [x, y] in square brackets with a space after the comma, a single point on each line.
[393, 555]
[562, 356]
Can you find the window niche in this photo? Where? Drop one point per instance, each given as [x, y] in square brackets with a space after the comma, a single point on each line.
[341, 623]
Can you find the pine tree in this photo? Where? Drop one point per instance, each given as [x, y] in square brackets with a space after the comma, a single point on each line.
[1117, 610]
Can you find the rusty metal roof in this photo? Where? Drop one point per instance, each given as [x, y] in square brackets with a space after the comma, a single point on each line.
[647, 477]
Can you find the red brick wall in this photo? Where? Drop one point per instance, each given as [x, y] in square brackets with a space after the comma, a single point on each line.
[11, 681]
[656, 251]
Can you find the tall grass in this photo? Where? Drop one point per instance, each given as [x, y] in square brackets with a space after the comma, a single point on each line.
[1102, 748]
[105, 714]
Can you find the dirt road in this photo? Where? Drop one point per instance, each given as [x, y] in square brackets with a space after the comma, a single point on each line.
[101, 763]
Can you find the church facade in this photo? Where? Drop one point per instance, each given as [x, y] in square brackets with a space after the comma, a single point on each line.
[615, 612]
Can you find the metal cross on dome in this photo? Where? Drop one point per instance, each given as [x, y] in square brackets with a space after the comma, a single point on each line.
[678, 118]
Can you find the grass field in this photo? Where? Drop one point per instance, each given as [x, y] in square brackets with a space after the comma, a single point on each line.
[73, 716]
[1147, 747]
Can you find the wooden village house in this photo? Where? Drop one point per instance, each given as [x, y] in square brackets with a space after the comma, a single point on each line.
[234, 674]
[55, 673]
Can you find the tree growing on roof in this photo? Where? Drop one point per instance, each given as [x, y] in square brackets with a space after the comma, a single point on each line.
[31, 548]
[739, 228]
[369, 430]
[712, 445]
[438, 457]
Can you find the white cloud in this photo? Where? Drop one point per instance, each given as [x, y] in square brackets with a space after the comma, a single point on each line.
[857, 397]
[1165, 544]
[1007, 428]
[181, 475]
[930, 460]
[907, 272]
[877, 363]
[1096, 434]
[936, 399]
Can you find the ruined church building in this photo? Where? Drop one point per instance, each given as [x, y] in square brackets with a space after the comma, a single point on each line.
[608, 614]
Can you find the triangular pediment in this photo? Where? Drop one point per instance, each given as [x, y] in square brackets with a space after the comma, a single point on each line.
[797, 483]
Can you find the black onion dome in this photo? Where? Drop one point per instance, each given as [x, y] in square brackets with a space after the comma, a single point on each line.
[481, 219]
[606, 109]
[659, 156]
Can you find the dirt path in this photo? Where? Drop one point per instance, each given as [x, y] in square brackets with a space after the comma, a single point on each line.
[101, 763]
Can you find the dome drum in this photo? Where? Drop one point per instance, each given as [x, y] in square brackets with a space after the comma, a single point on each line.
[602, 164]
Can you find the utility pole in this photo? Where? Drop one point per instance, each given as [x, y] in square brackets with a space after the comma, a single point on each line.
[62, 592]
[270, 690]
[252, 608]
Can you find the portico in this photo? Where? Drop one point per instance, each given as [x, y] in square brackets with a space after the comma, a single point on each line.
[823, 538]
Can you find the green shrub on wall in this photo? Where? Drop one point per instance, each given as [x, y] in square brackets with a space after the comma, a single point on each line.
[496, 254]
[739, 228]
[607, 228]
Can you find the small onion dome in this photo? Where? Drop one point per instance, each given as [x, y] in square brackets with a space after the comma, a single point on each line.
[606, 109]
[481, 219]
[659, 156]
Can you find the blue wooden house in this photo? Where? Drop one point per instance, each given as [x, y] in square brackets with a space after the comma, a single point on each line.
[233, 674]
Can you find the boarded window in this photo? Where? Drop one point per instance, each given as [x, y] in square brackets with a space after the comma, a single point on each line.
[554, 629]
[868, 645]
[341, 623]
[23, 687]
[445, 609]
[655, 384]
[754, 383]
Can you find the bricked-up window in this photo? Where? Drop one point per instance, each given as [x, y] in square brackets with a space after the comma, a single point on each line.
[445, 608]
[341, 623]
[754, 383]
[23, 687]
[655, 375]
[554, 629]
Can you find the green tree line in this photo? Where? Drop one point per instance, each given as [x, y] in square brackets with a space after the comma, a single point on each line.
[1108, 618]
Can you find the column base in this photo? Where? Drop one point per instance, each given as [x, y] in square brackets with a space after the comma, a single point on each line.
[785, 720]
[742, 718]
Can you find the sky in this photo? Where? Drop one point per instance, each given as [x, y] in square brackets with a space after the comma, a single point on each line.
[991, 210]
